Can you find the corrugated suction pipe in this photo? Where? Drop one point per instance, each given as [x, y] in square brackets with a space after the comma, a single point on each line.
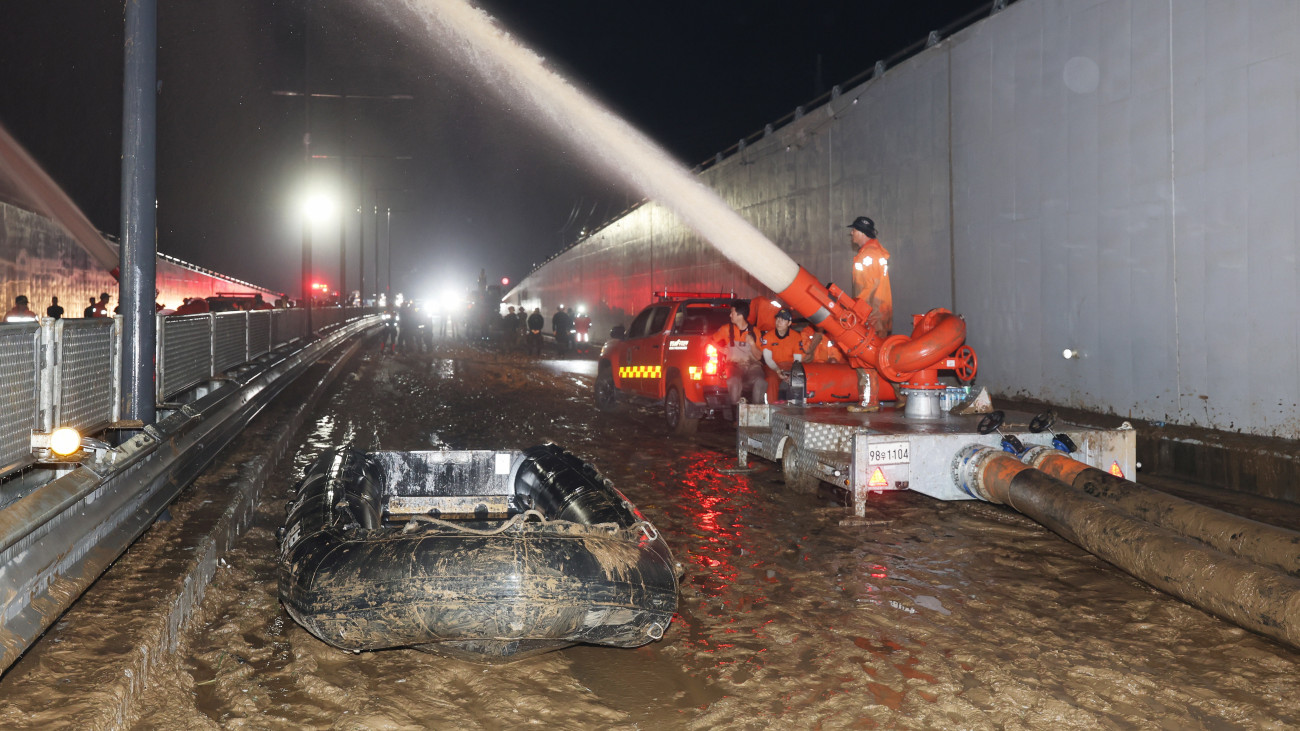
[1264, 544]
[1249, 595]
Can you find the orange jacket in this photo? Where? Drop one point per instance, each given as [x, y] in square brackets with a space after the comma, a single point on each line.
[871, 285]
[784, 349]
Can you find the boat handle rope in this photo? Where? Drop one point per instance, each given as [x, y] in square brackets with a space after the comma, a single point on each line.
[521, 517]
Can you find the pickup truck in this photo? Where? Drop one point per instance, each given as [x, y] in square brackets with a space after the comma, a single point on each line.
[666, 355]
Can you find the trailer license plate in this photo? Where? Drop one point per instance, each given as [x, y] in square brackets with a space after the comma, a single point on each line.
[888, 453]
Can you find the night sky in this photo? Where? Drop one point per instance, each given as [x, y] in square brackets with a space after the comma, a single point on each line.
[482, 188]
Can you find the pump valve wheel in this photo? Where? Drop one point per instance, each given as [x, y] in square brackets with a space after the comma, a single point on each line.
[1042, 422]
[991, 422]
[967, 364]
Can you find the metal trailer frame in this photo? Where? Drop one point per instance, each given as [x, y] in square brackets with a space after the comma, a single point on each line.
[844, 449]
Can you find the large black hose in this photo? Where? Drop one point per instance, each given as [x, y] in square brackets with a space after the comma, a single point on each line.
[1249, 595]
[1265, 544]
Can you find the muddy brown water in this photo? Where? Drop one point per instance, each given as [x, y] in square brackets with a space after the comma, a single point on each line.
[924, 614]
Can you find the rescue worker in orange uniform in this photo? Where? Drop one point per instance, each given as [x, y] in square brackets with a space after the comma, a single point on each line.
[871, 275]
[782, 347]
[736, 339]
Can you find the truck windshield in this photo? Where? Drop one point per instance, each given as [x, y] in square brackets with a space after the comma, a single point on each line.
[700, 319]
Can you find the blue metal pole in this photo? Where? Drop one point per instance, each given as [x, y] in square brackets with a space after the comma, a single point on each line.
[138, 278]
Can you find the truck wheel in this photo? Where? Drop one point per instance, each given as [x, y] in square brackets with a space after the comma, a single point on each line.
[606, 395]
[675, 411]
[797, 467]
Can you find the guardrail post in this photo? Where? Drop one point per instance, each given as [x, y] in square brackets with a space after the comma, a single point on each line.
[46, 362]
[115, 347]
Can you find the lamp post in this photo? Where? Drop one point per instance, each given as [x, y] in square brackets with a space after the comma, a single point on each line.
[317, 205]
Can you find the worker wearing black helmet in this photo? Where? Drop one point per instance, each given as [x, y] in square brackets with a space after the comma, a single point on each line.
[871, 274]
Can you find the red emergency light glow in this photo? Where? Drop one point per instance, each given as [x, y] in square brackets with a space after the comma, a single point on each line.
[505, 281]
[878, 479]
[1115, 469]
[711, 365]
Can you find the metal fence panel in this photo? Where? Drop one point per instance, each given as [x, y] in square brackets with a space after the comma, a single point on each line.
[185, 353]
[18, 397]
[290, 325]
[259, 333]
[85, 382]
[229, 343]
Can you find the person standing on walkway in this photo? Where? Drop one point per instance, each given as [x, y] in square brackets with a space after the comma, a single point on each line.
[871, 275]
[20, 312]
[54, 311]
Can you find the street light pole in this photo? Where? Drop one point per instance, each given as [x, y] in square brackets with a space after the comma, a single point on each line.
[138, 262]
[306, 146]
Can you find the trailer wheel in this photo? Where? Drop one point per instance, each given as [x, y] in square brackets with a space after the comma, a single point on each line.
[675, 411]
[606, 395]
[797, 467]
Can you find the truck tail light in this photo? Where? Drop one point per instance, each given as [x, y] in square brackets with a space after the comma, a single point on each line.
[711, 362]
[696, 373]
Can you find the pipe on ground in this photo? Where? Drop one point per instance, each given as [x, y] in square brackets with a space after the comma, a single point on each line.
[1249, 595]
[1268, 545]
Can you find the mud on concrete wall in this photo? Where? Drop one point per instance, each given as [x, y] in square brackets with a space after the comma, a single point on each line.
[1116, 177]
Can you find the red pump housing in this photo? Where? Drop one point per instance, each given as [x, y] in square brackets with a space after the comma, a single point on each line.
[937, 342]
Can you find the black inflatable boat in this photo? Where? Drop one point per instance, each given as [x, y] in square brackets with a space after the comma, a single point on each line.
[485, 555]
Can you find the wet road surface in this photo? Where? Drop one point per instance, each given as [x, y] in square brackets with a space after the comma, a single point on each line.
[924, 614]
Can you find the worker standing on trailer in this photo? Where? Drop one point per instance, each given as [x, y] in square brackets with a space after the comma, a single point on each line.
[871, 275]
[782, 347]
[744, 370]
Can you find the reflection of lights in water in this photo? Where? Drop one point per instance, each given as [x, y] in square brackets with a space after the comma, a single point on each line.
[716, 536]
[444, 368]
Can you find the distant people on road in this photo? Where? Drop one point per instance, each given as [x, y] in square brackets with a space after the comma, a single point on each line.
[510, 329]
[561, 323]
[20, 311]
[535, 324]
[406, 327]
[388, 339]
[260, 304]
[54, 310]
[582, 327]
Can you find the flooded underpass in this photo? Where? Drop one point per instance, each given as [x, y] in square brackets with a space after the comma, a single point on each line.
[923, 614]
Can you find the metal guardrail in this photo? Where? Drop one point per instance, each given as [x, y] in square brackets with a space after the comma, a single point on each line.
[59, 533]
[196, 348]
[56, 373]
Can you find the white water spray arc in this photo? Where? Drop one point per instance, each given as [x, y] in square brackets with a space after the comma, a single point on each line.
[517, 74]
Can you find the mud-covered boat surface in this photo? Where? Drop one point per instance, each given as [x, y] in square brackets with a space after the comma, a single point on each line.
[924, 614]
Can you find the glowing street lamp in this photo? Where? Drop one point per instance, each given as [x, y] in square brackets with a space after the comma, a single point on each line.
[317, 205]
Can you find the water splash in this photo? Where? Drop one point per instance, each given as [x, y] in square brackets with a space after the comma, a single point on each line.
[518, 75]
